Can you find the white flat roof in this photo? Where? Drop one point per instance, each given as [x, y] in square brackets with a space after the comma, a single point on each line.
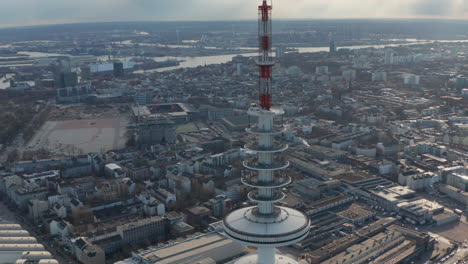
[295, 220]
[10, 227]
[199, 247]
[113, 166]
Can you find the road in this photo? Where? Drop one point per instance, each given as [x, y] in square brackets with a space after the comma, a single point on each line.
[460, 254]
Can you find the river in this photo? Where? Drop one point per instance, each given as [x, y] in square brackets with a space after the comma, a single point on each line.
[190, 62]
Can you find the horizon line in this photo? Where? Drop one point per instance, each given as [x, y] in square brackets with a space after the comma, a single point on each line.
[7, 26]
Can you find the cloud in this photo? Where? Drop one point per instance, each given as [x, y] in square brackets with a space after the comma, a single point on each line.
[14, 12]
[438, 7]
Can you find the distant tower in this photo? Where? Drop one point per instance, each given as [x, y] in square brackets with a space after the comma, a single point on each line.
[118, 69]
[240, 68]
[280, 52]
[65, 79]
[266, 226]
[389, 57]
[332, 46]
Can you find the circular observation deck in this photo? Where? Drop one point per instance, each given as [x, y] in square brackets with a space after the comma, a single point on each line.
[255, 147]
[265, 63]
[286, 227]
[276, 165]
[258, 111]
[253, 259]
[278, 182]
[275, 130]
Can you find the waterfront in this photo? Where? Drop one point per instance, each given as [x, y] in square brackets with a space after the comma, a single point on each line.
[190, 62]
[195, 61]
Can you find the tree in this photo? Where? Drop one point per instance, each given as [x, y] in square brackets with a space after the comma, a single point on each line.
[13, 156]
[82, 216]
[400, 112]
[131, 139]
[200, 194]
[37, 154]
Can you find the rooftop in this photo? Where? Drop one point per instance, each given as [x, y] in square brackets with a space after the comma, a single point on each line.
[196, 210]
[195, 248]
[355, 212]
[141, 222]
[394, 193]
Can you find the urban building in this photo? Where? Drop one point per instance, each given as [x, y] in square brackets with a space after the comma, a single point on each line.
[412, 79]
[379, 76]
[220, 205]
[66, 79]
[119, 70]
[389, 57]
[332, 47]
[87, 253]
[156, 129]
[147, 229]
[321, 70]
[74, 94]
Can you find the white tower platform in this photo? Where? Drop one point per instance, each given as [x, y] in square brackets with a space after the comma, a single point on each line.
[266, 226]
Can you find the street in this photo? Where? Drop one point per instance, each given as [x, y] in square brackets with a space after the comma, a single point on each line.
[458, 257]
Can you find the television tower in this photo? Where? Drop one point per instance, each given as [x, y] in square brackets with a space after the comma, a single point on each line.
[266, 225]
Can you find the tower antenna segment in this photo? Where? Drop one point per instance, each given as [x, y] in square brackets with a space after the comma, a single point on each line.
[265, 63]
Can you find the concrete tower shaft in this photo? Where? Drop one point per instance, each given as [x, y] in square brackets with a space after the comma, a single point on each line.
[266, 225]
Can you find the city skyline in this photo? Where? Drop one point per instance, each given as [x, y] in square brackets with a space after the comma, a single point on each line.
[240, 132]
[32, 12]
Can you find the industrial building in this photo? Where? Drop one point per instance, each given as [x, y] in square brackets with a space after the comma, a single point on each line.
[17, 246]
[328, 249]
[328, 203]
[207, 248]
[404, 202]
[395, 245]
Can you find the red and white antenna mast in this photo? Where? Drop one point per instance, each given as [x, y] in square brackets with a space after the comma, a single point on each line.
[265, 63]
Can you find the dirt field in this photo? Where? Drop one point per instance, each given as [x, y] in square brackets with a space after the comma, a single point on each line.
[73, 137]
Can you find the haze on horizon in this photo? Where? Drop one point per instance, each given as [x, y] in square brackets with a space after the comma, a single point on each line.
[38, 12]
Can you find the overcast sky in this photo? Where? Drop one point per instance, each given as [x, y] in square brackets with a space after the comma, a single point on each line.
[30, 12]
